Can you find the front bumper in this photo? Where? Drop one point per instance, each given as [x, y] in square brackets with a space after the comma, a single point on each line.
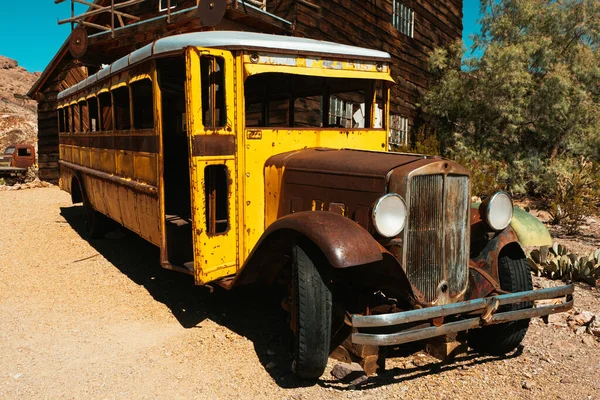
[464, 315]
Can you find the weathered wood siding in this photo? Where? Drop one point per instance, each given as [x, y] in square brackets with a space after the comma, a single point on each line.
[48, 119]
[105, 50]
[368, 23]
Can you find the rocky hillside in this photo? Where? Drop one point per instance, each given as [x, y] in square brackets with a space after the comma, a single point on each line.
[18, 119]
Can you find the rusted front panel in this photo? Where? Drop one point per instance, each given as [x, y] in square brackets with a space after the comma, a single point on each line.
[436, 239]
[347, 182]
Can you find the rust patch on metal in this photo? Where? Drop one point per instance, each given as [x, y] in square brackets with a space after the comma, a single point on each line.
[487, 260]
[213, 145]
[481, 284]
[296, 205]
[337, 208]
[148, 143]
[22, 156]
[343, 242]
[139, 186]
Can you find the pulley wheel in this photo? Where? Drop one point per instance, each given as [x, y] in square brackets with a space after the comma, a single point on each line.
[211, 12]
[79, 42]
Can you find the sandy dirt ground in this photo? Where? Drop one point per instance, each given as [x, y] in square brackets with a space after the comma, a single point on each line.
[100, 319]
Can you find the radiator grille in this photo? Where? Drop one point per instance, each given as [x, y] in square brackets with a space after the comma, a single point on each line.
[436, 238]
[455, 228]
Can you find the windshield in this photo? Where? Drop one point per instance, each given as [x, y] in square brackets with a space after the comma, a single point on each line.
[9, 150]
[288, 100]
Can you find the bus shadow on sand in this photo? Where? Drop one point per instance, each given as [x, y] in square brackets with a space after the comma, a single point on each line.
[252, 312]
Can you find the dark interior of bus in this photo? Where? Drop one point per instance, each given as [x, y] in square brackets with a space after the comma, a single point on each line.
[176, 175]
[288, 100]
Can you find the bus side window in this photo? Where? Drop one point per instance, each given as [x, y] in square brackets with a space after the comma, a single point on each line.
[143, 106]
[93, 113]
[122, 109]
[213, 92]
[76, 118]
[85, 118]
[61, 120]
[216, 191]
[68, 119]
[106, 120]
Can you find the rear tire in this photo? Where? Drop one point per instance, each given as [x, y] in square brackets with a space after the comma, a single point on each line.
[96, 223]
[311, 322]
[503, 338]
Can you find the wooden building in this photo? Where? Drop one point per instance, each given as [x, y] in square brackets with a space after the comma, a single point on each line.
[407, 29]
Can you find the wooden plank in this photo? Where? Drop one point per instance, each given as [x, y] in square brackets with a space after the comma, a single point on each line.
[368, 24]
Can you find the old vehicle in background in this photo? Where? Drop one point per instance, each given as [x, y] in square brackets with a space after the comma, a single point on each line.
[16, 160]
[260, 159]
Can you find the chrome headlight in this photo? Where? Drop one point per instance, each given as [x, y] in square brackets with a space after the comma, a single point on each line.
[389, 215]
[498, 211]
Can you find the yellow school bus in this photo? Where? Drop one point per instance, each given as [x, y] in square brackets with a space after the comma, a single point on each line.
[251, 158]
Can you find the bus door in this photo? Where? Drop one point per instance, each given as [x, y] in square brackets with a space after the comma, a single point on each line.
[210, 116]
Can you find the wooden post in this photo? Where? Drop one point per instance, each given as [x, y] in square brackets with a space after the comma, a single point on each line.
[112, 18]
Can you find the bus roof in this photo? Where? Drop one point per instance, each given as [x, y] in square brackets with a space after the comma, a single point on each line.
[232, 40]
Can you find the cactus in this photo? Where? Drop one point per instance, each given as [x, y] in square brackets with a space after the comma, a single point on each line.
[556, 262]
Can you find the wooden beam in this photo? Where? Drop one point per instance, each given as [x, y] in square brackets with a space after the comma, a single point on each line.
[97, 7]
[112, 8]
[92, 25]
[309, 4]
[112, 19]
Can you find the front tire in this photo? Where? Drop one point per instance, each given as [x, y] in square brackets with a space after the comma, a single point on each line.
[503, 338]
[311, 319]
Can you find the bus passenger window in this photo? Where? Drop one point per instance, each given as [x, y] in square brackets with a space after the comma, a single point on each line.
[216, 191]
[76, 118]
[143, 106]
[85, 118]
[213, 92]
[278, 112]
[68, 119]
[121, 106]
[380, 102]
[308, 112]
[106, 121]
[61, 120]
[93, 113]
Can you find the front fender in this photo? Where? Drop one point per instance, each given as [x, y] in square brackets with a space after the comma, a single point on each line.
[530, 230]
[487, 259]
[342, 241]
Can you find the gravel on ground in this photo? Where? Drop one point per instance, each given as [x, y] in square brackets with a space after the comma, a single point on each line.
[101, 319]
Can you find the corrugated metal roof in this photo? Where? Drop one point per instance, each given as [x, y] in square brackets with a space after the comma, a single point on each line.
[233, 40]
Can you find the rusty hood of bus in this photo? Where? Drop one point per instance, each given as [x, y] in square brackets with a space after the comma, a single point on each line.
[345, 182]
[353, 170]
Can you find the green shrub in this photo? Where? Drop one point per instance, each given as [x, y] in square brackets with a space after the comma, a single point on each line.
[570, 191]
[424, 141]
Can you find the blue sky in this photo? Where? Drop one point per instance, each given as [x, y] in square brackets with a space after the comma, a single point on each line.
[29, 32]
[470, 25]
